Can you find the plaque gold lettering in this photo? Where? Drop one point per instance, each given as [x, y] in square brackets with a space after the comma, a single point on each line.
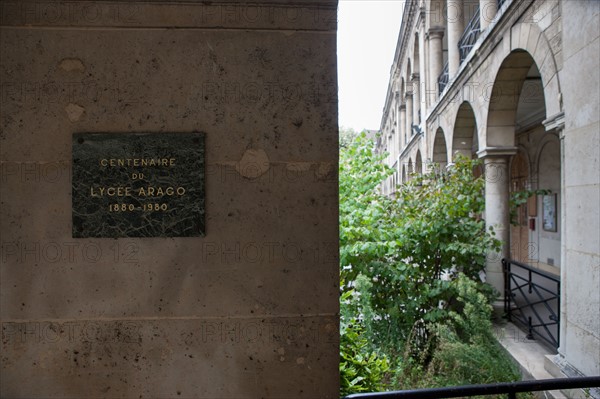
[110, 191]
[138, 184]
[136, 162]
[151, 191]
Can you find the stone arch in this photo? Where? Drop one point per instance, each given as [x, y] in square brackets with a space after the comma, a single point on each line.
[419, 163]
[521, 164]
[548, 164]
[410, 169]
[404, 174]
[548, 138]
[440, 150]
[504, 99]
[465, 136]
[526, 38]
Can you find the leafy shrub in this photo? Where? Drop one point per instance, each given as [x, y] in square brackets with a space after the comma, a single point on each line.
[361, 369]
[465, 350]
[412, 302]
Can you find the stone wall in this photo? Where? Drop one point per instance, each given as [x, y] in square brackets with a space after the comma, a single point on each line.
[580, 335]
[249, 310]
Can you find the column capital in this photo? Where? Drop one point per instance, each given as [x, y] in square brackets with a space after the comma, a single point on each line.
[402, 107]
[436, 32]
[497, 152]
[414, 76]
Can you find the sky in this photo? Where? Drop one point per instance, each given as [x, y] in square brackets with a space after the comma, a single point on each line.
[367, 37]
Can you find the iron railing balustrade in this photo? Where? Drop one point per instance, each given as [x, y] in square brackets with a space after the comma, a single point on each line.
[532, 299]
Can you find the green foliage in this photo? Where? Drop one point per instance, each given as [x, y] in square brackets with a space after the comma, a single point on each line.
[412, 246]
[366, 234]
[465, 351]
[361, 369]
[410, 269]
[361, 209]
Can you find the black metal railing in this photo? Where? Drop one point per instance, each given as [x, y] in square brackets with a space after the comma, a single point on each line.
[509, 388]
[469, 37]
[443, 79]
[532, 298]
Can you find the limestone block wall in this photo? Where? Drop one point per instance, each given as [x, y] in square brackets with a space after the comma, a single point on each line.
[249, 310]
[580, 339]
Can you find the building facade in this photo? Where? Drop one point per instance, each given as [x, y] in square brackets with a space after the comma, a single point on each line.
[515, 84]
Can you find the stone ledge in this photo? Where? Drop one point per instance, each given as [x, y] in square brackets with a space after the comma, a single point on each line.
[534, 359]
[558, 367]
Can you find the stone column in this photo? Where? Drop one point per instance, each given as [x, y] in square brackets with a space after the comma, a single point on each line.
[399, 123]
[409, 115]
[436, 61]
[497, 211]
[487, 11]
[392, 145]
[456, 27]
[422, 74]
[390, 135]
[562, 348]
[416, 89]
[402, 127]
[427, 76]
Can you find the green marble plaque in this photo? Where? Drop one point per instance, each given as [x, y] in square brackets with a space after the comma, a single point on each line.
[138, 185]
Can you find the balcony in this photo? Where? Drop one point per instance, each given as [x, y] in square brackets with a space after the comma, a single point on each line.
[443, 79]
[470, 35]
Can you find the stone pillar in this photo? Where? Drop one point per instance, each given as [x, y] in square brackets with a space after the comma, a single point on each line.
[556, 124]
[422, 74]
[456, 27]
[416, 88]
[394, 143]
[427, 88]
[497, 211]
[436, 61]
[487, 11]
[402, 126]
[562, 348]
[409, 115]
[399, 123]
[391, 145]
